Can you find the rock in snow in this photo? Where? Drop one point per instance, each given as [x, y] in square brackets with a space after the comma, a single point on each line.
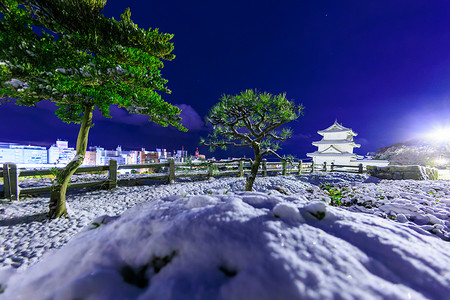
[230, 244]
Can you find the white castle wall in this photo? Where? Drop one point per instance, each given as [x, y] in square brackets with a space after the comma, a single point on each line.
[337, 160]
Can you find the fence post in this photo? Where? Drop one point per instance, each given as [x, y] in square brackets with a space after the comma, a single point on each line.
[241, 168]
[300, 166]
[332, 166]
[171, 170]
[360, 169]
[10, 181]
[324, 166]
[112, 172]
[14, 181]
[264, 167]
[312, 166]
[6, 189]
[284, 168]
[210, 169]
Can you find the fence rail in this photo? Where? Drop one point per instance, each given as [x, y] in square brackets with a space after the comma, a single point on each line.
[11, 189]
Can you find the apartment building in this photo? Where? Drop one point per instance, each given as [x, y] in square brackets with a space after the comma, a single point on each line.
[60, 153]
[20, 154]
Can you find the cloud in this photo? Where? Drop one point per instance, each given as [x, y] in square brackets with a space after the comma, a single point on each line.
[123, 116]
[191, 119]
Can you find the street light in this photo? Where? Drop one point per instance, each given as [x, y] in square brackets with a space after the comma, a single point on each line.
[440, 136]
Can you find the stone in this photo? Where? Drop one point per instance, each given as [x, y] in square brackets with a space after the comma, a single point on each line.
[403, 172]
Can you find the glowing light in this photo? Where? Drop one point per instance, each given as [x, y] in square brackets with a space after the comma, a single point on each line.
[441, 161]
[441, 135]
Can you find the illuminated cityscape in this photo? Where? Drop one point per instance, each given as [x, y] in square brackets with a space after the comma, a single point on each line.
[60, 153]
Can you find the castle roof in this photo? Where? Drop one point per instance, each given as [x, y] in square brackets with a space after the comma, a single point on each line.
[317, 153]
[332, 151]
[334, 142]
[336, 127]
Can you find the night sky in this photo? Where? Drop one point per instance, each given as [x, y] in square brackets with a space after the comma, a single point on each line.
[381, 68]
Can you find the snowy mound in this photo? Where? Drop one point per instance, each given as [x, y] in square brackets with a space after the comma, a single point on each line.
[240, 245]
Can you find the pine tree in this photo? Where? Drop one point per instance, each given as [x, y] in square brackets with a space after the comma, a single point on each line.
[250, 119]
[67, 52]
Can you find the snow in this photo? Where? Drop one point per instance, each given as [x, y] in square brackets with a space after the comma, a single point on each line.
[211, 240]
[15, 83]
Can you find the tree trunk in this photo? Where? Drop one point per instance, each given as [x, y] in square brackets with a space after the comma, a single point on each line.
[253, 173]
[57, 204]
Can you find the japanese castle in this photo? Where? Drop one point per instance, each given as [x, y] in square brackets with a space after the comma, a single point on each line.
[337, 146]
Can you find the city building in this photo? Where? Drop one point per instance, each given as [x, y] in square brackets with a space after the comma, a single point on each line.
[162, 153]
[60, 153]
[21, 154]
[141, 156]
[102, 156]
[90, 158]
[132, 157]
[180, 155]
[150, 157]
[199, 156]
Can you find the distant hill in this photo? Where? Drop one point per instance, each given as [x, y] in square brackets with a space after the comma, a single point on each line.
[414, 152]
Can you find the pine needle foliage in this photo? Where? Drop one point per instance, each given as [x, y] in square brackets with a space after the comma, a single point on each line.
[252, 119]
[81, 58]
[67, 52]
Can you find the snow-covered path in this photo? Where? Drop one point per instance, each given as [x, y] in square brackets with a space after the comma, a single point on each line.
[210, 240]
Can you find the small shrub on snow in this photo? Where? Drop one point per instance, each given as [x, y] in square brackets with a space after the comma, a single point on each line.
[102, 220]
[334, 193]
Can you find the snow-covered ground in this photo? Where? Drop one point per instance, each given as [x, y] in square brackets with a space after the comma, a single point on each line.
[210, 240]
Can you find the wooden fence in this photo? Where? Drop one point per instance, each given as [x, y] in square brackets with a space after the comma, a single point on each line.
[171, 170]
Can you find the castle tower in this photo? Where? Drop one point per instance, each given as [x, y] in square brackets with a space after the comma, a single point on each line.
[336, 146]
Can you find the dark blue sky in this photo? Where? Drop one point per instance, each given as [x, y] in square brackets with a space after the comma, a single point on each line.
[381, 68]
